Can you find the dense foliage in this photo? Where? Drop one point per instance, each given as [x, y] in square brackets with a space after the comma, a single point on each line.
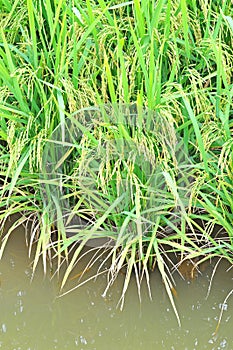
[167, 60]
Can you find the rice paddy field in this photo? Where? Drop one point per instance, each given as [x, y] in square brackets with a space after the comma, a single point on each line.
[116, 125]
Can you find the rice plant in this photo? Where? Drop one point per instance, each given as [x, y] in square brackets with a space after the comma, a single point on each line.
[116, 125]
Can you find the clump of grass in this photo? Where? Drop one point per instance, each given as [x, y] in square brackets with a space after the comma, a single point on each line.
[168, 61]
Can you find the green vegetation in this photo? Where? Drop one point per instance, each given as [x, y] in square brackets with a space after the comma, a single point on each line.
[152, 167]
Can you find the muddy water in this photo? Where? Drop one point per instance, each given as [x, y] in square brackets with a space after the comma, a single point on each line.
[33, 318]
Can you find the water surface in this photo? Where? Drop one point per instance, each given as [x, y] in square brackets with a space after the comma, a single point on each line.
[33, 318]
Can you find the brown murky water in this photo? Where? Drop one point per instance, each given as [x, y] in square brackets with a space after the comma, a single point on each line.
[33, 318]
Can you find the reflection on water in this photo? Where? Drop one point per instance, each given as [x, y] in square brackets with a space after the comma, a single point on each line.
[33, 318]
